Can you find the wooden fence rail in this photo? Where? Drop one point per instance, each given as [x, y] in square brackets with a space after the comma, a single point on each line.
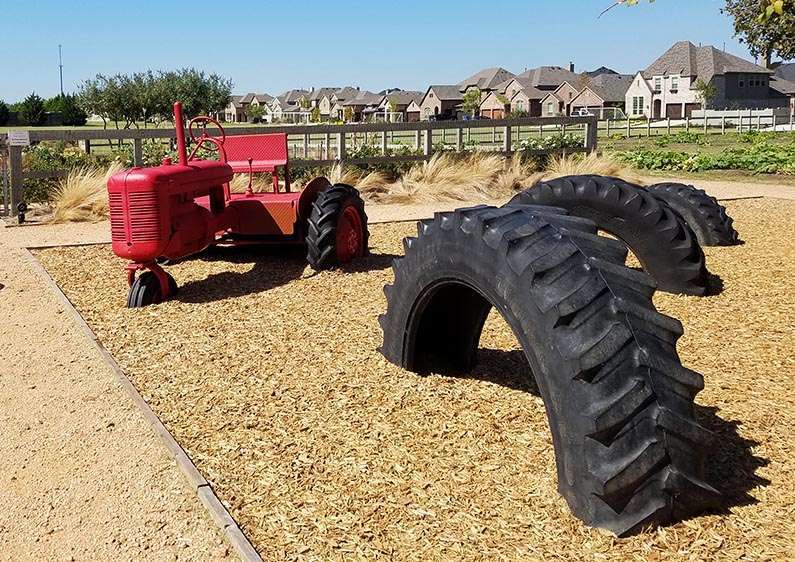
[423, 141]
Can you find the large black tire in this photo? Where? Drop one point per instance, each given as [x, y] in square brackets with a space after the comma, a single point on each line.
[701, 211]
[145, 290]
[660, 239]
[629, 450]
[324, 219]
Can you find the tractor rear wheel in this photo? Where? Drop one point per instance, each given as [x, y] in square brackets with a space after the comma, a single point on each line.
[661, 240]
[336, 228]
[701, 211]
[629, 449]
[145, 290]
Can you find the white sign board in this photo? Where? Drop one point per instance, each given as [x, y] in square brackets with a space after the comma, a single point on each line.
[18, 138]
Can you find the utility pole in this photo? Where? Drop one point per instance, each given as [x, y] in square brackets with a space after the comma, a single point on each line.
[60, 67]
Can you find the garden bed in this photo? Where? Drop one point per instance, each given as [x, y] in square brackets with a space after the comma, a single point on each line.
[270, 378]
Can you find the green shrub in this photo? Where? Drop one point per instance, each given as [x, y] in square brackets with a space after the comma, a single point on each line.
[31, 110]
[552, 142]
[71, 113]
[4, 113]
[682, 137]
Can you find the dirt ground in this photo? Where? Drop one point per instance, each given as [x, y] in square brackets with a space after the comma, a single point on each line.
[82, 475]
[269, 377]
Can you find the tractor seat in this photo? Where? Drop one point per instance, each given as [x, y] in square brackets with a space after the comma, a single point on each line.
[257, 154]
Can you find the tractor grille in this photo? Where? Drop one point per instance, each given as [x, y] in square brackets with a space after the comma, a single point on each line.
[116, 202]
[143, 215]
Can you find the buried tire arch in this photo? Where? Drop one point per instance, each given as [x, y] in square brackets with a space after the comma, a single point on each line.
[659, 237]
[628, 449]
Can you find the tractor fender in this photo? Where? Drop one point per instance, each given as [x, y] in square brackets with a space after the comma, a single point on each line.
[308, 196]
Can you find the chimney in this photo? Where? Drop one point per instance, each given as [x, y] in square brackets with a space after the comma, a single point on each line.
[571, 66]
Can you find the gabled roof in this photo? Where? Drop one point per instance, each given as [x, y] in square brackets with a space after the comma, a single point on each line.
[599, 71]
[686, 59]
[487, 79]
[532, 92]
[548, 76]
[247, 98]
[445, 92]
[320, 93]
[346, 93]
[414, 103]
[610, 87]
[365, 98]
[404, 97]
[235, 101]
[782, 86]
[292, 96]
[263, 98]
[786, 71]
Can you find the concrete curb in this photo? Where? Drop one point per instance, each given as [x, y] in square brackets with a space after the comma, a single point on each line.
[220, 515]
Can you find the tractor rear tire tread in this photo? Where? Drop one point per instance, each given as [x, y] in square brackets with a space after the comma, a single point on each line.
[629, 450]
[702, 212]
[322, 224]
[662, 241]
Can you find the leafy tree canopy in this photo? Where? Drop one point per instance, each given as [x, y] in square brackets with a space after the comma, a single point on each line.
[32, 110]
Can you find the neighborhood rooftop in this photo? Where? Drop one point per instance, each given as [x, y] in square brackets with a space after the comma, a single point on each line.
[685, 59]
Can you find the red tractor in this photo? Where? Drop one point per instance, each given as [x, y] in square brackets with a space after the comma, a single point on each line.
[168, 212]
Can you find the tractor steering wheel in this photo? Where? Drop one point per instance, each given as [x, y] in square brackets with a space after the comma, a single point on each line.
[200, 124]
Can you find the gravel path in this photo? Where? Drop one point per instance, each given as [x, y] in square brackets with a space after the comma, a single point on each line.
[82, 475]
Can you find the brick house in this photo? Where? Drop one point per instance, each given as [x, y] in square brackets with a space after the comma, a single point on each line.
[667, 88]
[600, 93]
[494, 106]
[441, 102]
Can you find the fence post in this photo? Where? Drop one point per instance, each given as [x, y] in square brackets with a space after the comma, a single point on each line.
[341, 146]
[417, 139]
[705, 121]
[327, 147]
[608, 128]
[759, 122]
[648, 127]
[506, 141]
[138, 153]
[669, 126]
[306, 146]
[774, 120]
[15, 167]
[85, 145]
[428, 149]
[459, 139]
[687, 123]
[591, 135]
[629, 129]
[723, 125]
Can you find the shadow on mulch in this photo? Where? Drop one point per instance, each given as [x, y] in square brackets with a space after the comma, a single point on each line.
[731, 465]
[273, 266]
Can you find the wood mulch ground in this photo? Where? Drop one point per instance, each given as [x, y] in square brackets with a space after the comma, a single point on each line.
[270, 378]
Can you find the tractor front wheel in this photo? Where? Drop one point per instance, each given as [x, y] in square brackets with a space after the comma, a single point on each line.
[145, 290]
[337, 227]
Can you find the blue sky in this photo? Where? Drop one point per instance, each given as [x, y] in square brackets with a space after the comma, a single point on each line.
[273, 46]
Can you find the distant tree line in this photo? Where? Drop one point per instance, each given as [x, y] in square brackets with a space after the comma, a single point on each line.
[33, 110]
[128, 100]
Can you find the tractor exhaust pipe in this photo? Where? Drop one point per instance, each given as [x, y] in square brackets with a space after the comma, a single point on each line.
[179, 123]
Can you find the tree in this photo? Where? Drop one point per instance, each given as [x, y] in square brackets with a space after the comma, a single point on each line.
[67, 106]
[255, 113]
[315, 115]
[705, 92]
[347, 114]
[764, 34]
[32, 110]
[4, 113]
[471, 101]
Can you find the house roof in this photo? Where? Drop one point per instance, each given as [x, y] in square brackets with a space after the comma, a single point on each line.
[786, 87]
[346, 93]
[487, 79]
[445, 92]
[263, 98]
[686, 59]
[599, 71]
[610, 87]
[292, 96]
[365, 98]
[320, 93]
[532, 92]
[548, 76]
[235, 101]
[786, 71]
[404, 97]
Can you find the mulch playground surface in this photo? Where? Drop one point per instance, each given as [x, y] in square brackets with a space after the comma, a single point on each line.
[269, 376]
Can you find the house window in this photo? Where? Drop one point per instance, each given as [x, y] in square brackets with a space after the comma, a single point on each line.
[637, 105]
[657, 83]
[550, 108]
[674, 84]
[741, 83]
[519, 106]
